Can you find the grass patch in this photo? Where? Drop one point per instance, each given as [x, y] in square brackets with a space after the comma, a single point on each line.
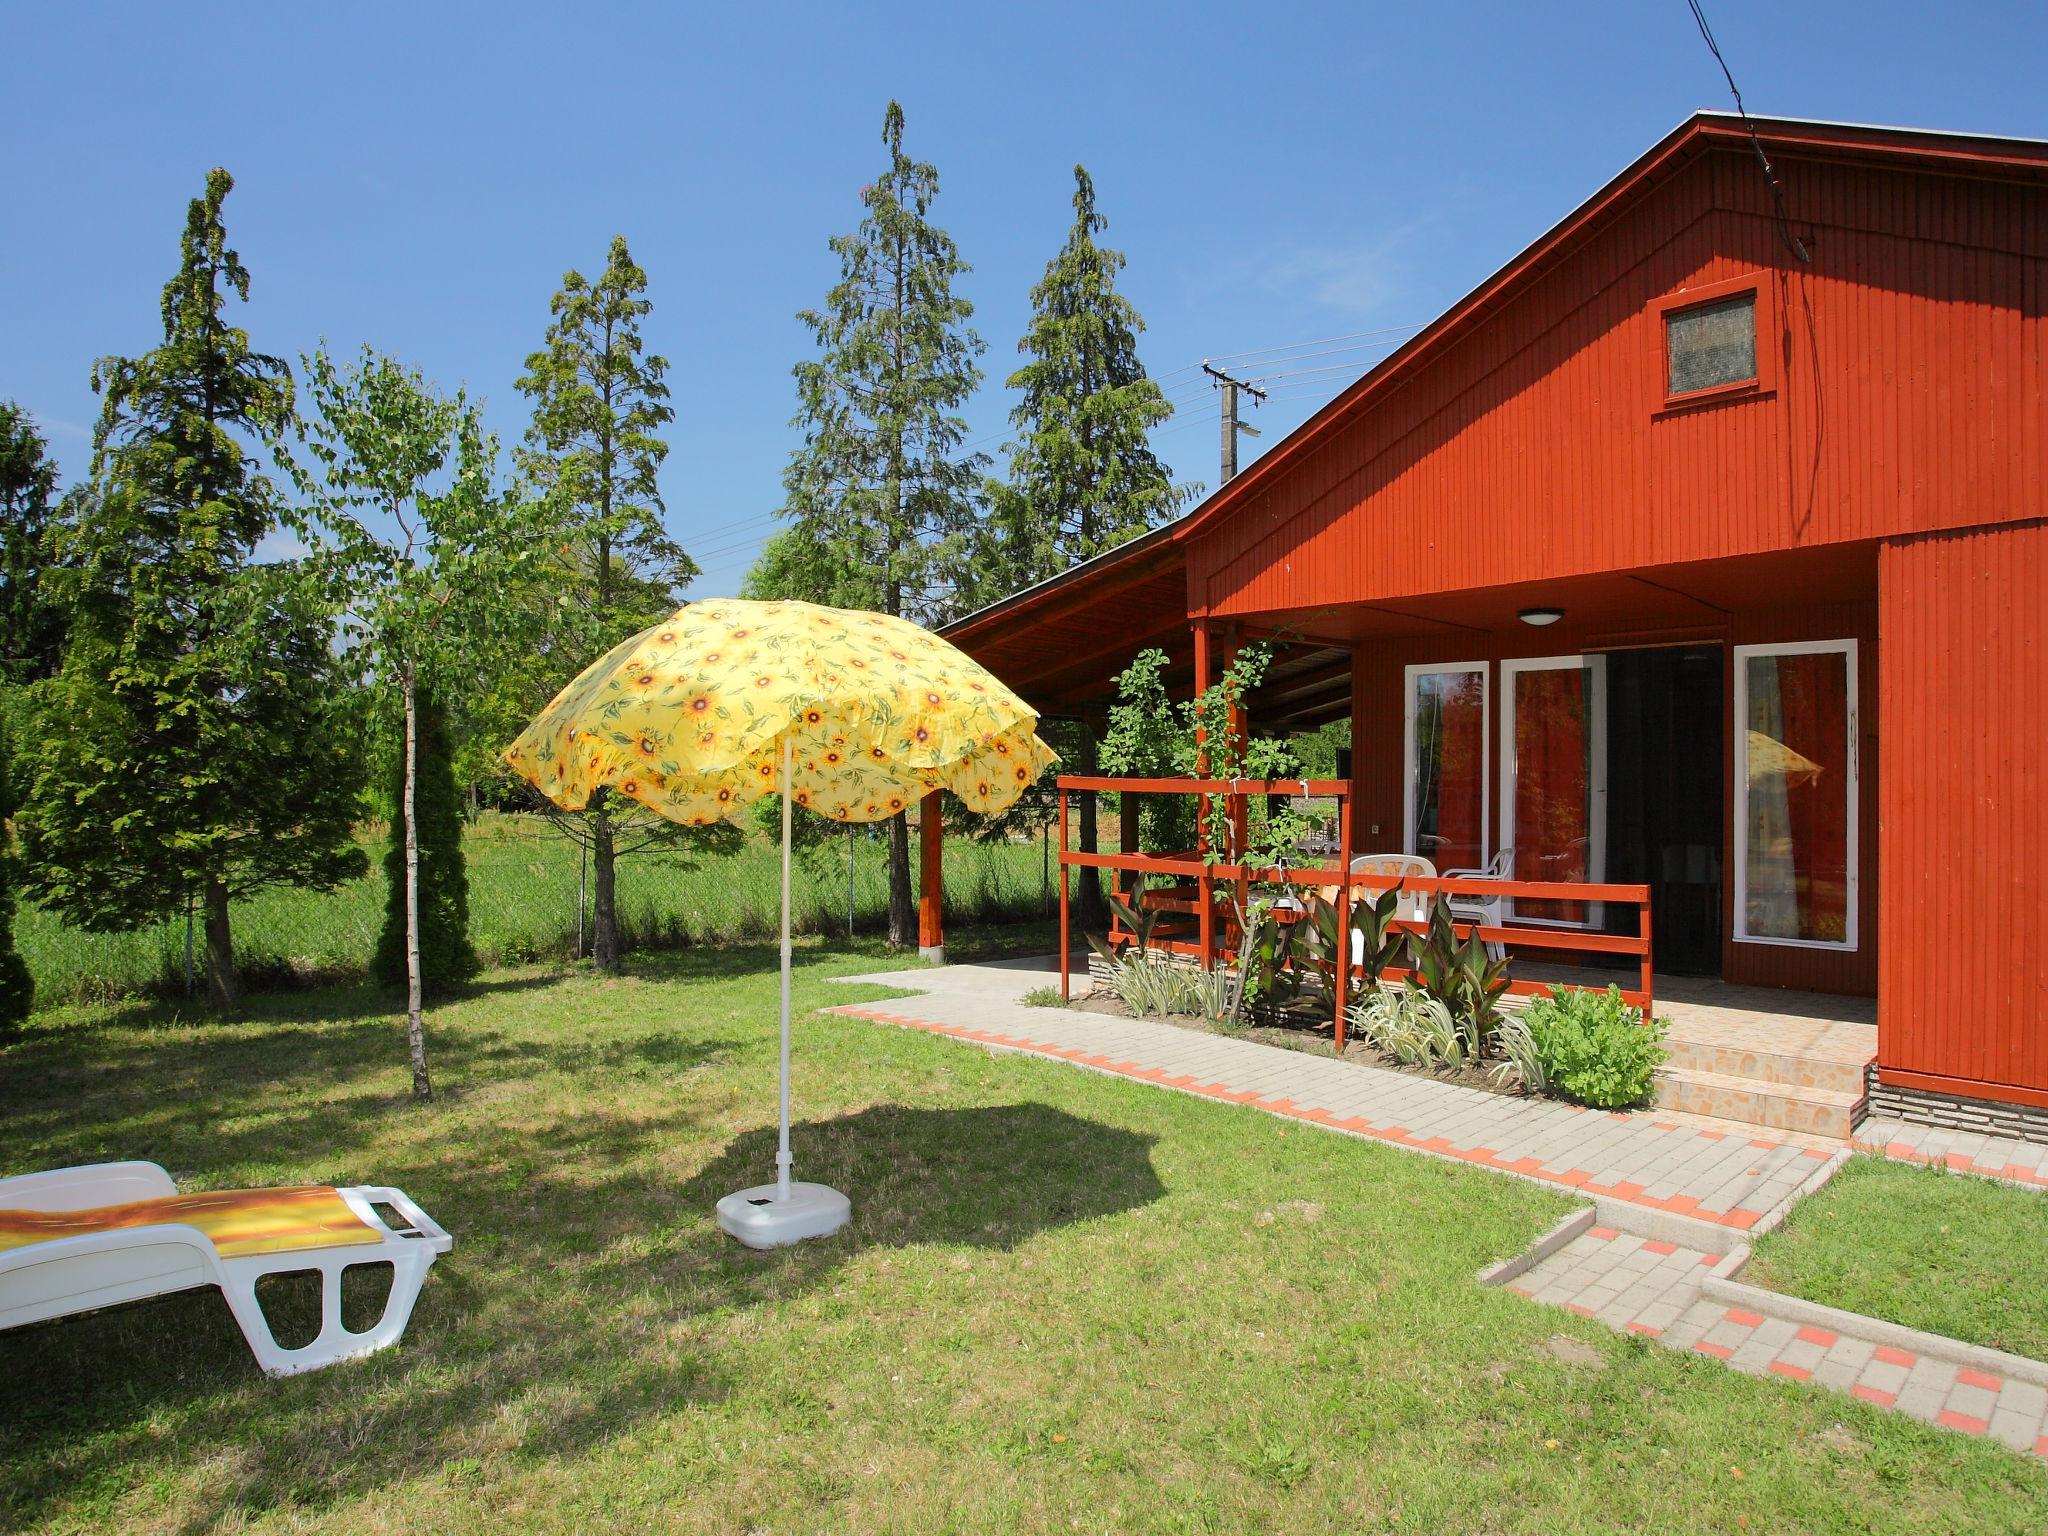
[523, 884]
[1066, 1301]
[1945, 1252]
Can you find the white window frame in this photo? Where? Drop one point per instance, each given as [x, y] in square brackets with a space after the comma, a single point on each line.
[1408, 785]
[1743, 653]
[1596, 774]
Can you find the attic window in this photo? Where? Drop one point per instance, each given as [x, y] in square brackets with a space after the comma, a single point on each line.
[1710, 346]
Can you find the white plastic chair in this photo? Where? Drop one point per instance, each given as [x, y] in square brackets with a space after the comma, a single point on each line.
[1490, 911]
[130, 1257]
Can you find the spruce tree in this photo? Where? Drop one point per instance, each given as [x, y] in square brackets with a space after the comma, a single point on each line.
[17, 987]
[1083, 476]
[880, 483]
[31, 624]
[446, 955]
[599, 402]
[189, 745]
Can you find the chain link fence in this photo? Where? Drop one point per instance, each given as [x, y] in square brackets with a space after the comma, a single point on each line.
[529, 899]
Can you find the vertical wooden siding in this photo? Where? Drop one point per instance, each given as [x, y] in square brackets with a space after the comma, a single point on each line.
[1909, 397]
[1963, 983]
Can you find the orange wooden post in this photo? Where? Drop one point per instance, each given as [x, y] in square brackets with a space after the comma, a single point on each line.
[1066, 982]
[1649, 964]
[1343, 914]
[1205, 884]
[931, 882]
[1126, 880]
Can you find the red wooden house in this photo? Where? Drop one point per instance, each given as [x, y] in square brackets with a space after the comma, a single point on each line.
[1705, 546]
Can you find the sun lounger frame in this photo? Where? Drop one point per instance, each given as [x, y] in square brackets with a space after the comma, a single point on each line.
[69, 1275]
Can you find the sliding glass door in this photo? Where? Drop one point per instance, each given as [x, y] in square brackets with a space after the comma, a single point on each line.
[1796, 794]
[1445, 745]
[1554, 806]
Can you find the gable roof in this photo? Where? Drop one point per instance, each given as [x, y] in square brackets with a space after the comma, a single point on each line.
[1702, 133]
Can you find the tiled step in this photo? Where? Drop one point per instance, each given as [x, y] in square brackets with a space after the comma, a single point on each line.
[1754, 1101]
[1786, 1068]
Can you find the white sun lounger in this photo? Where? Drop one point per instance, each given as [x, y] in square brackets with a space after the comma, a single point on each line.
[107, 1245]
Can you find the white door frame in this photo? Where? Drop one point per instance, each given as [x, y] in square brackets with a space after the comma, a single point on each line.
[1851, 789]
[1596, 771]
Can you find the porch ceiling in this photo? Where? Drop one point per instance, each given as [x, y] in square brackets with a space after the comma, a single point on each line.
[1610, 607]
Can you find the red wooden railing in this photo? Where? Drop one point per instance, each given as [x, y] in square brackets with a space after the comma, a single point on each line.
[1338, 875]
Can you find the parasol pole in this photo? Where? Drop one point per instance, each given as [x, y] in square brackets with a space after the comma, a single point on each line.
[782, 1158]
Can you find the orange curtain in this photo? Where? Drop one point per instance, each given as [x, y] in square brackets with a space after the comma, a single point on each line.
[1551, 812]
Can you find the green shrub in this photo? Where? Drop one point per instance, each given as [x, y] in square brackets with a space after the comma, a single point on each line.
[17, 988]
[1043, 997]
[1594, 1048]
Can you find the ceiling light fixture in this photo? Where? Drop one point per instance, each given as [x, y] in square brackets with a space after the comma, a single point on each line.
[1540, 616]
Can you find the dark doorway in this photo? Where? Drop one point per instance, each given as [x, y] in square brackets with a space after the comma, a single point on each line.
[1665, 771]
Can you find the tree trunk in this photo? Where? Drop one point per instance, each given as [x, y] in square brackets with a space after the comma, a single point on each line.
[604, 946]
[1092, 913]
[415, 1027]
[902, 910]
[223, 984]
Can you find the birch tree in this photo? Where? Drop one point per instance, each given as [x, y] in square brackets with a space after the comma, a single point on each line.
[431, 553]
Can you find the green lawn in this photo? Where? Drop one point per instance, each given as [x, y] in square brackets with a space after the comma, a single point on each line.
[523, 881]
[1943, 1251]
[1067, 1302]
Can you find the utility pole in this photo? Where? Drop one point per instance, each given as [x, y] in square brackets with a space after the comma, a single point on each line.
[1231, 425]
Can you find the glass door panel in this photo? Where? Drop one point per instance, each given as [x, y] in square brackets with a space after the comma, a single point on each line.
[1554, 814]
[1446, 768]
[1795, 819]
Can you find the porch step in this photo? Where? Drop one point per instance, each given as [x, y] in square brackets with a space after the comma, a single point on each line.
[1784, 1069]
[1756, 1101]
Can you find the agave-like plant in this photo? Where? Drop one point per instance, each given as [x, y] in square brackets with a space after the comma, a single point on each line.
[1461, 975]
[1372, 922]
[1520, 1061]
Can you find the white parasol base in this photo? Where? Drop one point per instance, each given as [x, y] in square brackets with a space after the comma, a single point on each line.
[759, 1219]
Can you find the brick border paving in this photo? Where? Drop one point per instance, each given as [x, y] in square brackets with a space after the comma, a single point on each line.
[1661, 1291]
[2004, 1158]
[1693, 1193]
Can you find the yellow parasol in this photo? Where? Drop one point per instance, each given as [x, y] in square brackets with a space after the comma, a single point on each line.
[851, 714]
[1770, 758]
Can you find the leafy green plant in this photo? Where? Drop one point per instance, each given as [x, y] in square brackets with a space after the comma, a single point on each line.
[1266, 959]
[1520, 1064]
[1594, 1048]
[1417, 1030]
[1460, 974]
[1380, 941]
[1155, 985]
[1137, 920]
[1043, 997]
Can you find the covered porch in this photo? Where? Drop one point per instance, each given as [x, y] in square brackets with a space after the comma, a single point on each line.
[1704, 730]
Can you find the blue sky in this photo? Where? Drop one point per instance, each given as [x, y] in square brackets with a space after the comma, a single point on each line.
[419, 176]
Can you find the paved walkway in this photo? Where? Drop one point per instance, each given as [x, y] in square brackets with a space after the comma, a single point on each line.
[1659, 1289]
[1991, 1157]
[1730, 1179]
[1677, 1201]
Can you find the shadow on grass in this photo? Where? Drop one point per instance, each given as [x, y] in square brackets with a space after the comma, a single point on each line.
[985, 1177]
[587, 1288]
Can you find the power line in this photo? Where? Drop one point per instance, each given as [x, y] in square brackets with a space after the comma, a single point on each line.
[1270, 353]
[1792, 241]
